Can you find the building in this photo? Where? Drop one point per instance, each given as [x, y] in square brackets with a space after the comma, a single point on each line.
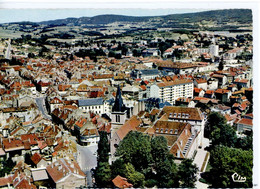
[193, 116]
[145, 74]
[66, 173]
[171, 91]
[201, 83]
[181, 137]
[244, 124]
[214, 50]
[96, 105]
[118, 117]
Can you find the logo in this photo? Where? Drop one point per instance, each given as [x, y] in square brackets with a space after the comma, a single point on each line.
[237, 178]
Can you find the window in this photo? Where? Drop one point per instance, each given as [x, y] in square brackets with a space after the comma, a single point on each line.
[118, 118]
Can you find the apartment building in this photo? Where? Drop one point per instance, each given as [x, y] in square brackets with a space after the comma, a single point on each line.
[171, 91]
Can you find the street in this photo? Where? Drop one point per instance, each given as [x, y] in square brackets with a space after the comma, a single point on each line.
[199, 159]
[87, 160]
[41, 106]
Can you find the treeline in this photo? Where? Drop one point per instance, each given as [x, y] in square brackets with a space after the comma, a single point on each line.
[229, 154]
[145, 161]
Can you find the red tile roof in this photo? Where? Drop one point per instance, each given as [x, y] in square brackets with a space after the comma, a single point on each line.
[36, 158]
[62, 167]
[175, 82]
[245, 121]
[194, 113]
[121, 182]
[130, 125]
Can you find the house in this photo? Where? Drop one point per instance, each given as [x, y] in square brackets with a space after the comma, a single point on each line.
[121, 182]
[221, 108]
[212, 84]
[39, 161]
[188, 102]
[244, 124]
[198, 92]
[222, 79]
[13, 148]
[66, 173]
[201, 83]
[242, 83]
[209, 94]
[223, 95]
[150, 52]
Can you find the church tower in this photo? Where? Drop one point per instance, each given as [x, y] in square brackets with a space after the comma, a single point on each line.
[119, 111]
[118, 118]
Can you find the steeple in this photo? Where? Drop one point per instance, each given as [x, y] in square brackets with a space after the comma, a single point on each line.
[119, 104]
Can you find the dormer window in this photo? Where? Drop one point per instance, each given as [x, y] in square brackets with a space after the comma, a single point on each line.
[176, 131]
[161, 130]
[166, 130]
[175, 114]
[171, 131]
[157, 130]
[187, 115]
[183, 115]
[179, 115]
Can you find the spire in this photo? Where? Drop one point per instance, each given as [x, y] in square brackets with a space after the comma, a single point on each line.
[119, 104]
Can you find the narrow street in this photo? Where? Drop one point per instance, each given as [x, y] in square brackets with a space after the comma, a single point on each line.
[41, 106]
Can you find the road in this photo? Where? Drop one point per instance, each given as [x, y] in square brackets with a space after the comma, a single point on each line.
[199, 159]
[87, 160]
[8, 50]
[41, 106]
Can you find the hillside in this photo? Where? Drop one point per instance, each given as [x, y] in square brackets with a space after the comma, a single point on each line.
[242, 16]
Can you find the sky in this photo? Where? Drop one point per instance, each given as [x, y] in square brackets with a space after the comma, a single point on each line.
[37, 15]
[42, 10]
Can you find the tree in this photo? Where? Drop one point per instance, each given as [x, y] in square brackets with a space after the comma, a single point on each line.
[103, 170]
[118, 168]
[136, 178]
[136, 149]
[214, 119]
[187, 173]
[27, 159]
[103, 174]
[245, 143]
[221, 64]
[6, 166]
[164, 165]
[224, 135]
[227, 161]
[103, 147]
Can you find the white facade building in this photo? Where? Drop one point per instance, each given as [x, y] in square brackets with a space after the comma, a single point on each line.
[214, 50]
[171, 91]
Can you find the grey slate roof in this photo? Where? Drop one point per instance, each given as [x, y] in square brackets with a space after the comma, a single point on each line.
[90, 102]
[150, 72]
